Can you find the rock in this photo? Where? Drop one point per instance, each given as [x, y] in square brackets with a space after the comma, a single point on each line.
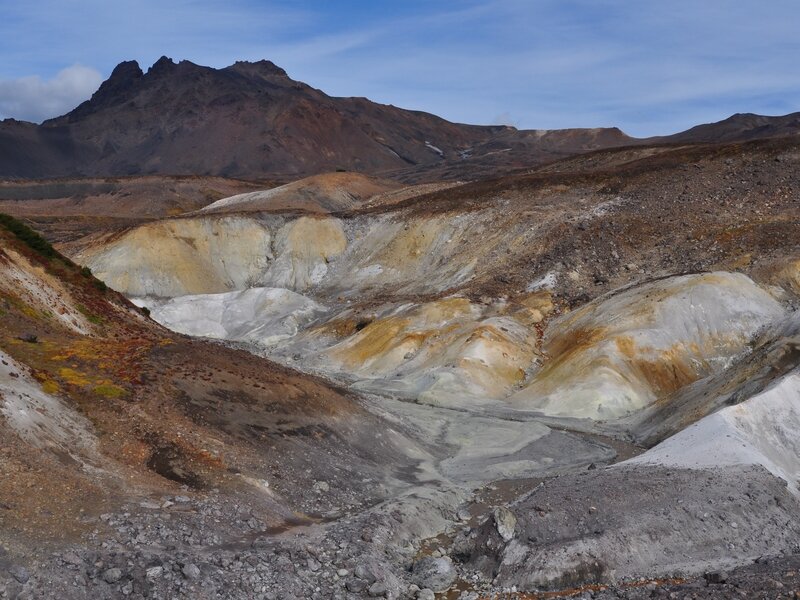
[426, 594]
[716, 577]
[191, 571]
[20, 573]
[313, 565]
[322, 487]
[505, 522]
[342, 572]
[72, 559]
[365, 573]
[437, 574]
[356, 586]
[112, 575]
[377, 589]
[155, 571]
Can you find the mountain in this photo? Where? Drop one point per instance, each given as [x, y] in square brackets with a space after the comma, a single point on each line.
[252, 120]
[739, 128]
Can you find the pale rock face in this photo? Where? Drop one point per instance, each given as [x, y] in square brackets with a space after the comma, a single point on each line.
[414, 256]
[449, 352]
[40, 419]
[615, 356]
[212, 254]
[603, 362]
[762, 430]
[258, 315]
[183, 256]
[303, 249]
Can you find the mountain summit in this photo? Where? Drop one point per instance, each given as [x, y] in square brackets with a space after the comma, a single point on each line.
[251, 120]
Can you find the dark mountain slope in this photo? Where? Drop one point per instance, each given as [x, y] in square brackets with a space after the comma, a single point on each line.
[252, 120]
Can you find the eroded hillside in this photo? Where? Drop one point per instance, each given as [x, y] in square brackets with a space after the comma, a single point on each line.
[582, 375]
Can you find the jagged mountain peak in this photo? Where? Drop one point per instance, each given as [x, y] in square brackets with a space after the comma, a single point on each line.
[251, 120]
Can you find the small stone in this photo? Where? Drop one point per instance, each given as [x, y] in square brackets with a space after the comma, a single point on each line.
[322, 487]
[155, 571]
[505, 522]
[377, 589]
[112, 575]
[72, 559]
[342, 572]
[716, 577]
[191, 571]
[426, 594]
[313, 565]
[20, 573]
[356, 586]
[365, 573]
[437, 574]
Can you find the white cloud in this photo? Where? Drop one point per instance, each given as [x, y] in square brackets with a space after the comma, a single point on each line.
[35, 99]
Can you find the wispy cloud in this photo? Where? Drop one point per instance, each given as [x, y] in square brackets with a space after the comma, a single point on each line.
[35, 99]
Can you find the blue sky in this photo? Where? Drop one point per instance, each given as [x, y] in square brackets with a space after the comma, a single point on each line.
[649, 67]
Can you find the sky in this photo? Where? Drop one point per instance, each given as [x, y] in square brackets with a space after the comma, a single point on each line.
[649, 67]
